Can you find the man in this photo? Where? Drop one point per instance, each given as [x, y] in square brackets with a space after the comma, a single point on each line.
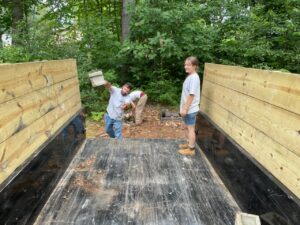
[138, 109]
[119, 101]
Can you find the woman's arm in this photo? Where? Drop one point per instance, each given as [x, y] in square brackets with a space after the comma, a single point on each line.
[187, 105]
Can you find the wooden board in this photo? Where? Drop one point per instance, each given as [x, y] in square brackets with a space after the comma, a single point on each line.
[36, 100]
[21, 78]
[280, 125]
[15, 150]
[277, 88]
[23, 111]
[260, 111]
[279, 161]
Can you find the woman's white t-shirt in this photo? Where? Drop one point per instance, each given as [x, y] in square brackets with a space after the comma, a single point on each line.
[191, 86]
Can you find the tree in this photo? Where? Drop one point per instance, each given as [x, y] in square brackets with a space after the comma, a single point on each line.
[5, 19]
[159, 34]
[126, 4]
[14, 16]
[18, 13]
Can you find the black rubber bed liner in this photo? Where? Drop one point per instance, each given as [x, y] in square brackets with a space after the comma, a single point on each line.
[255, 190]
[138, 181]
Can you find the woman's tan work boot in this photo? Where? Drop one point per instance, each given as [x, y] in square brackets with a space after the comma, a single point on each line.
[187, 151]
[183, 146]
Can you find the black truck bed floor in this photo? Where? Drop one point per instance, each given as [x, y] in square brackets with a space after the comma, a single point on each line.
[138, 181]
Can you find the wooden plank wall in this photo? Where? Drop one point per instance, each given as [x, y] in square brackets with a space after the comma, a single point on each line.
[260, 110]
[36, 100]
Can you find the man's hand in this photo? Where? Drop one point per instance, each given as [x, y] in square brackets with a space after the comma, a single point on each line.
[107, 84]
[124, 106]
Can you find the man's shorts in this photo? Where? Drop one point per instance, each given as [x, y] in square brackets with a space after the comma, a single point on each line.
[190, 119]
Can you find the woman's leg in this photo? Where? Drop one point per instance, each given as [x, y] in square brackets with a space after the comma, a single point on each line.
[191, 136]
[190, 122]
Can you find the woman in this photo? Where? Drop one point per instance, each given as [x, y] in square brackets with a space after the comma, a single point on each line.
[189, 104]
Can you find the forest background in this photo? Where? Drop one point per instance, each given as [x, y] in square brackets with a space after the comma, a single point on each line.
[146, 41]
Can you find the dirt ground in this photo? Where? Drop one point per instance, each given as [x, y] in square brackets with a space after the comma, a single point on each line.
[152, 126]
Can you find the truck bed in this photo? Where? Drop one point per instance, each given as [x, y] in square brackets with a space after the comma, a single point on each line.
[138, 181]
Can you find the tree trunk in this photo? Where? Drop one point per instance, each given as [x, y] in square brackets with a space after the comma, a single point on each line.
[17, 13]
[126, 18]
[17, 17]
[117, 19]
[100, 10]
[1, 42]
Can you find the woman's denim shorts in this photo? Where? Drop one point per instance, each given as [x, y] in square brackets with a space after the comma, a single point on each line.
[190, 119]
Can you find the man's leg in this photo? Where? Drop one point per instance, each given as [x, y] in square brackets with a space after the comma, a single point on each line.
[139, 109]
[109, 126]
[118, 128]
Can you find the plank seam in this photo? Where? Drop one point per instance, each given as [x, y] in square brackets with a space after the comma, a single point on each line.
[252, 126]
[58, 105]
[254, 160]
[39, 89]
[205, 79]
[19, 168]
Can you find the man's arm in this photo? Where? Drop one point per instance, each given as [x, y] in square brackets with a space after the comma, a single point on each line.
[187, 105]
[107, 85]
[133, 106]
[126, 106]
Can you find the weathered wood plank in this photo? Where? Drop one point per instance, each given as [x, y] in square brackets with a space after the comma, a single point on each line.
[36, 100]
[279, 161]
[277, 88]
[19, 113]
[280, 125]
[22, 78]
[16, 149]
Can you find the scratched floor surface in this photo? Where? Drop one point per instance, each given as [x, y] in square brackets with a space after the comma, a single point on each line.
[138, 181]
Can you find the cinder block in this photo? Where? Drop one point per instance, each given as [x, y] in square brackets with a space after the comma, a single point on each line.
[97, 78]
[246, 219]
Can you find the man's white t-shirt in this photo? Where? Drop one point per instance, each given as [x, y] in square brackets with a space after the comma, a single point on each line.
[116, 100]
[191, 85]
[135, 95]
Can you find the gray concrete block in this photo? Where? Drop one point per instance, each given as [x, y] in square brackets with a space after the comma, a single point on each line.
[246, 219]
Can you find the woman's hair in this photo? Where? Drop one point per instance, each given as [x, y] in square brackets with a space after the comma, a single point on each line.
[194, 61]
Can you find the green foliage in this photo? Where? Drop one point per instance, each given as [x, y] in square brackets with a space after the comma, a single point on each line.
[93, 99]
[93, 45]
[97, 116]
[112, 77]
[261, 34]
[99, 44]
[14, 54]
[5, 17]
[162, 36]
[163, 91]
